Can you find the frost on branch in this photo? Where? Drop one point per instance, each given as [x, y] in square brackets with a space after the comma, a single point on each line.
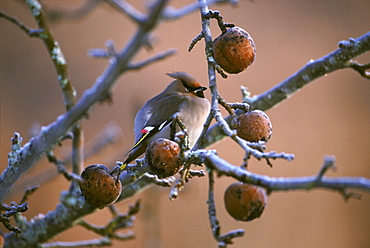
[138, 177]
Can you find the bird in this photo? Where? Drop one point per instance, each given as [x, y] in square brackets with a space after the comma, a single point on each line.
[183, 98]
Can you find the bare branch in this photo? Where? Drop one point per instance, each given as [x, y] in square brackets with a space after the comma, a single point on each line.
[134, 179]
[31, 151]
[216, 98]
[41, 228]
[108, 135]
[68, 90]
[206, 34]
[246, 145]
[335, 60]
[129, 10]
[340, 184]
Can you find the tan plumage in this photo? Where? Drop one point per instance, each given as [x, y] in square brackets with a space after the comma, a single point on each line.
[184, 98]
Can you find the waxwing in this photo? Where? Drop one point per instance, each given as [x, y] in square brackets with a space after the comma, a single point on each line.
[184, 98]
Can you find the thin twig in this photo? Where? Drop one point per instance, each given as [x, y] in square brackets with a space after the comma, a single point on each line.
[360, 68]
[55, 53]
[165, 182]
[109, 52]
[328, 164]
[10, 211]
[27, 193]
[136, 187]
[155, 58]
[180, 183]
[194, 41]
[220, 20]
[58, 14]
[77, 155]
[27, 30]
[225, 239]
[226, 106]
[118, 222]
[102, 242]
[129, 10]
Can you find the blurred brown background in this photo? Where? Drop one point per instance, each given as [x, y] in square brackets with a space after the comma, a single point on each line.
[328, 117]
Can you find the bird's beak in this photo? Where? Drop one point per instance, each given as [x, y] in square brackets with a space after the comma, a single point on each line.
[201, 88]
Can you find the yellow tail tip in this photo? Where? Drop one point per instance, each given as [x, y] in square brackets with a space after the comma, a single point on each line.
[123, 166]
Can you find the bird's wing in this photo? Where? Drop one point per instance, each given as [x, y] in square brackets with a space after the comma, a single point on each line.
[166, 109]
[154, 123]
[149, 131]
